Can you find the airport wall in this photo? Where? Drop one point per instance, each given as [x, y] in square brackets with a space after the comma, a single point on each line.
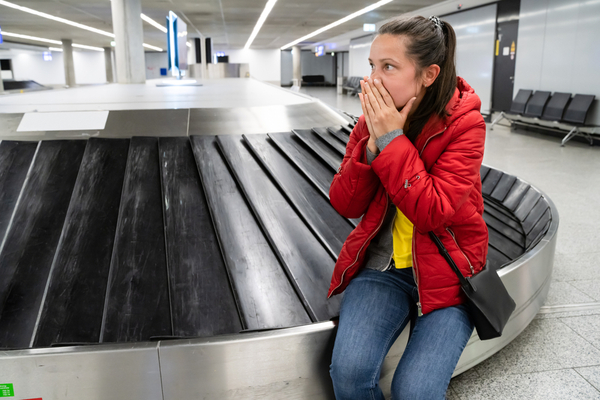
[311, 65]
[265, 65]
[30, 65]
[557, 48]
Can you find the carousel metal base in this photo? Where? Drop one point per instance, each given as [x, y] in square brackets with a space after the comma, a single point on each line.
[197, 267]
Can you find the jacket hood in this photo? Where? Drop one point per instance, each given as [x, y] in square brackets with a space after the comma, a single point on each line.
[463, 101]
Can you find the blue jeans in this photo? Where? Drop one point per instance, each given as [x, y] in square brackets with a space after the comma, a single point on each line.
[375, 309]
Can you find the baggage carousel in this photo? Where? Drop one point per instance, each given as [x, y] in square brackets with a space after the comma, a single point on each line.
[197, 266]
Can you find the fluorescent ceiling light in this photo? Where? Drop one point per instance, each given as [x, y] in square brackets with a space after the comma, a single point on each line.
[17, 35]
[152, 47]
[261, 21]
[153, 23]
[64, 21]
[39, 39]
[83, 46]
[68, 22]
[55, 49]
[339, 22]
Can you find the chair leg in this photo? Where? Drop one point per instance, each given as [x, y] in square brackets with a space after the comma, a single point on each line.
[569, 136]
[498, 118]
[589, 137]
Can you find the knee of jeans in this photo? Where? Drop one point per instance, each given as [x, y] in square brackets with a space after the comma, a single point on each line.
[348, 376]
[415, 389]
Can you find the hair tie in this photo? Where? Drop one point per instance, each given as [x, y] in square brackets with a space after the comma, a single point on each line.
[436, 21]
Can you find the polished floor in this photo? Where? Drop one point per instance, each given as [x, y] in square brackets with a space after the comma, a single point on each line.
[558, 354]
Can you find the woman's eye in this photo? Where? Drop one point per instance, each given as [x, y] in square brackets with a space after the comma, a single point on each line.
[388, 67]
[371, 66]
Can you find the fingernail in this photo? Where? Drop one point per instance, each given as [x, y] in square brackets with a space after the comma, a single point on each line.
[376, 81]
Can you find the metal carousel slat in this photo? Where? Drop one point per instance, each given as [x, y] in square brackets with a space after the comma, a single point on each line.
[327, 225]
[325, 152]
[503, 187]
[82, 260]
[307, 263]
[137, 299]
[490, 181]
[265, 296]
[29, 246]
[529, 201]
[202, 303]
[514, 197]
[311, 166]
[331, 140]
[339, 133]
[15, 160]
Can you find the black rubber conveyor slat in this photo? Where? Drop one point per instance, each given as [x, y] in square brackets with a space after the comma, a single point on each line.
[516, 193]
[499, 225]
[73, 308]
[30, 244]
[311, 166]
[266, 298]
[506, 247]
[137, 303]
[328, 138]
[340, 134]
[491, 180]
[308, 264]
[202, 303]
[316, 211]
[324, 151]
[503, 187]
[15, 159]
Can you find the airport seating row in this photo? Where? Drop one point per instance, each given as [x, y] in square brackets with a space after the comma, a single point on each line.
[352, 85]
[557, 108]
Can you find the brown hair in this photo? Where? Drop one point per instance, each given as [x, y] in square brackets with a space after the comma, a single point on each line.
[430, 41]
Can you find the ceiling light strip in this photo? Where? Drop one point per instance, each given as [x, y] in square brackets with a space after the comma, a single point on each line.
[52, 17]
[261, 21]
[152, 47]
[153, 23]
[55, 49]
[339, 22]
[39, 39]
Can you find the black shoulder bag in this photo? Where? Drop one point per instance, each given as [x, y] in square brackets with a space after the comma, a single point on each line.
[489, 303]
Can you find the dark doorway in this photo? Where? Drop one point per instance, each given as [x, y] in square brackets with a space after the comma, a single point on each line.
[506, 50]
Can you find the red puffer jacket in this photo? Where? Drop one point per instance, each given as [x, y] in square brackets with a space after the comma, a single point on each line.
[435, 183]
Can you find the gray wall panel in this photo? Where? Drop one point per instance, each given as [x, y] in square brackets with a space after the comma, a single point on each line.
[475, 35]
[558, 48]
[313, 65]
[359, 56]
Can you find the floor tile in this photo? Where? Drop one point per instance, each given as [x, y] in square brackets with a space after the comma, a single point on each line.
[590, 374]
[587, 327]
[565, 293]
[569, 267]
[590, 287]
[547, 385]
[546, 344]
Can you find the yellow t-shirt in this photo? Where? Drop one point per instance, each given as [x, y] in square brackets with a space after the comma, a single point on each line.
[402, 233]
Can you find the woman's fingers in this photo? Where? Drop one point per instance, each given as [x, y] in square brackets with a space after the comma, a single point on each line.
[406, 110]
[385, 95]
[377, 98]
[368, 90]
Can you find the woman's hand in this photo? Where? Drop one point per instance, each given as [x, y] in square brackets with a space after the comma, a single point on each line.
[380, 112]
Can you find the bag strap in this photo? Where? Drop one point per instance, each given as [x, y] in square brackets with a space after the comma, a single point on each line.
[464, 282]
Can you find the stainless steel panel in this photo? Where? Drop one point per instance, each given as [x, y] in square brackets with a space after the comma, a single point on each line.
[285, 364]
[116, 372]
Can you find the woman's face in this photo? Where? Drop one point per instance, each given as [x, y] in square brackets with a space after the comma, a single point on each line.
[395, 70]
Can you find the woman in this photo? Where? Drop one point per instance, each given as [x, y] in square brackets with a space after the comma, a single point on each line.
[411, 167]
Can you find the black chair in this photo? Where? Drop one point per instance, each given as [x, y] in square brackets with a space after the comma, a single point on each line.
[517, 106]
[536, 104]
[556, 106]
[352, 85]
[575, 115]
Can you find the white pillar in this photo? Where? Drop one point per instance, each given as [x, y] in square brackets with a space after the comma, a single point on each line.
[203, 54]
[1, 85]
[67, 45]
[129, 39]
[297, 72]
[108, 64]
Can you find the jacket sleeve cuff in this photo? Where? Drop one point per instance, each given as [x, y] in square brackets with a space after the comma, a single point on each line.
[386, 139]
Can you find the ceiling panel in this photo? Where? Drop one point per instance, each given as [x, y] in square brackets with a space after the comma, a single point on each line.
[228, 22]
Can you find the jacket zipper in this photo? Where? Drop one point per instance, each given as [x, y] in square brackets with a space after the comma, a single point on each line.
[431, 137]
[467, 258]
[361, 247]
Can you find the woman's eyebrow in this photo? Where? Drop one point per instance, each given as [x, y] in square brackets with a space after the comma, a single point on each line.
[384, 60]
